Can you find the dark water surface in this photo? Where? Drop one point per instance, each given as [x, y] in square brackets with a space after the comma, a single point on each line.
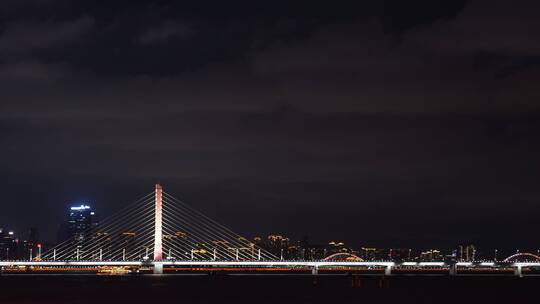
[265, 289]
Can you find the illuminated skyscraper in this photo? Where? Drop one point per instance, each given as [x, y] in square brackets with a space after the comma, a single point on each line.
[81, 220]
[8, 245]
[431, 255]
[466, 253]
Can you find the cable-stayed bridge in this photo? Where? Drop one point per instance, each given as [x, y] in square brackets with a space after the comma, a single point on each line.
[159, 232]
[157, 227]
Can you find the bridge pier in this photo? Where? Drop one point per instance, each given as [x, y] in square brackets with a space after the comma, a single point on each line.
[453, 270]
[388, 271]
[158, 268]
[518, 271]
[315, 270]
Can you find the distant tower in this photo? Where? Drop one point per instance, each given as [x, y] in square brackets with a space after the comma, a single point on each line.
[81, 219]
[158, 246]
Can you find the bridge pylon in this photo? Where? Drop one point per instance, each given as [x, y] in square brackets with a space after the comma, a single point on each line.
[158, 228]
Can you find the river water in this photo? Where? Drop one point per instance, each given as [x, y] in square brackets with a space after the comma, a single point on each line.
[255, 289]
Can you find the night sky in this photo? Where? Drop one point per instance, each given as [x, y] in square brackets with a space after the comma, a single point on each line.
[382, 123]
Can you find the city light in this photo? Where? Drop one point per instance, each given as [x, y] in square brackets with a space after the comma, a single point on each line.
[218, 249]
[81, 207]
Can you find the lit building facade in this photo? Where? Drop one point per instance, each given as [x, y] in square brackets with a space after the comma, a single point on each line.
[8, 245]
[81, 220]
[466, 253]
[432, 255]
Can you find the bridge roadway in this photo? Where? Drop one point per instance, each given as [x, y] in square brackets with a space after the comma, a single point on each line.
[388, 266]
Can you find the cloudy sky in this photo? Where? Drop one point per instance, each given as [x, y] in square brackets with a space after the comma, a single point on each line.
[385, 123]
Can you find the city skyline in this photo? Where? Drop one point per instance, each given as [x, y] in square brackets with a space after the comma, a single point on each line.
[82, 225]
[162, 237]
[447, 245]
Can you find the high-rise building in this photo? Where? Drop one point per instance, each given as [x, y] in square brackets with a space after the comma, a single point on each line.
[432, 255]
[400, 254]
[373, 254]
[466, 253]
[31, 244]
[81, 220]
[278, 245]
[8, 245]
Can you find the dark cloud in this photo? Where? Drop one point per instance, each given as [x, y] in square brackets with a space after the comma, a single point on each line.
[28, 36]
[490, 26]
[25, 3]
[33, 72]
[164, 32]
